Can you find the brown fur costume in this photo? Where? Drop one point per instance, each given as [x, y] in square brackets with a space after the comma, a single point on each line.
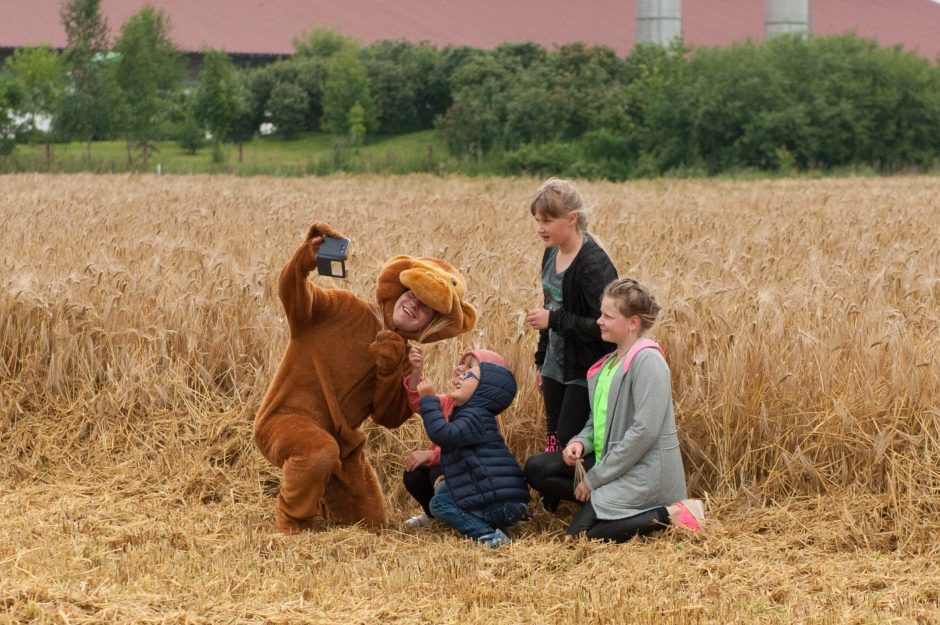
[340, 367]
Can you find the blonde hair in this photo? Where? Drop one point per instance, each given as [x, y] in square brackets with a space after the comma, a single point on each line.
[632, 298]
[559, 198]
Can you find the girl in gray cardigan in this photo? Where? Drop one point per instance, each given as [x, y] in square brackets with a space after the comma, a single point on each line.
[634, 481]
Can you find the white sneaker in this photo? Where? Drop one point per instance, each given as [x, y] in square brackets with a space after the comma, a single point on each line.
[418, 521]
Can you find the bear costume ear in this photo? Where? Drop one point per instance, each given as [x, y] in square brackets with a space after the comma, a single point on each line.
[437, 284]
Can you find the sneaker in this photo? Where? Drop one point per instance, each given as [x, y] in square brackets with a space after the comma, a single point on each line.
[418, 521]
[495, 539]
[691, 514]
[551, 443]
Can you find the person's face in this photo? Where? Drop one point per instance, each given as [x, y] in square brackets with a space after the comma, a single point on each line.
[556, 230]
[465, 383]
[410, 314]
[467, 363]
[615, 328]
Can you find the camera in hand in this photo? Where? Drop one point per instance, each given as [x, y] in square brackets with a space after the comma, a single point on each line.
[331, 259]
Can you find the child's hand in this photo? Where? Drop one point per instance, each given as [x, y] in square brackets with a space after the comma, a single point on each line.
[418, 459]
[425, 388]
[416, 358]
[582, 492]
[573, 453]
[537, 318]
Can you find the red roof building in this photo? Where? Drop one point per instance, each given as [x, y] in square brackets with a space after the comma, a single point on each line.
[266, 27]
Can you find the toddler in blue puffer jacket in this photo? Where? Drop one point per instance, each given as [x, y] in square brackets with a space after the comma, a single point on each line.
[484, 490]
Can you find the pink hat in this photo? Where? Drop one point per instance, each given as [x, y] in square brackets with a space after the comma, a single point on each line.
[487, 355]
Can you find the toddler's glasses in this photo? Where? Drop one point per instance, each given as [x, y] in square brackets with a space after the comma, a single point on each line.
[466, 375]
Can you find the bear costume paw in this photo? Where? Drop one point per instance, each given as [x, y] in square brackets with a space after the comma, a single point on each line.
[388, 348]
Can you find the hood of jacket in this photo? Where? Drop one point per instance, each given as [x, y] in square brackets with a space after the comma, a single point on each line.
[495, 391]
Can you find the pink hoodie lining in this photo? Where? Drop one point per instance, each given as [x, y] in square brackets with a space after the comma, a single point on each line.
[628, 359]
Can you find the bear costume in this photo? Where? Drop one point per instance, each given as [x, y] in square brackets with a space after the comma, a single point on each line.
[340, 368]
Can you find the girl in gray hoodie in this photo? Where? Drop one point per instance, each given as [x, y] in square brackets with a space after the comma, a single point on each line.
[634, 481]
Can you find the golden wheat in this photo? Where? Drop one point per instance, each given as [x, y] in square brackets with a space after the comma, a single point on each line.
[140, 325]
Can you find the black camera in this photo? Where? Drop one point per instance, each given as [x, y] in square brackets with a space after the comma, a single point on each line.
[331, 259]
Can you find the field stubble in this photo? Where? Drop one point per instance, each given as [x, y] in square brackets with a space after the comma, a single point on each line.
[139, 327]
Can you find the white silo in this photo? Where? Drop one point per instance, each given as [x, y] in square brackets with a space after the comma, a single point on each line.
[786, 17]
[658, 21]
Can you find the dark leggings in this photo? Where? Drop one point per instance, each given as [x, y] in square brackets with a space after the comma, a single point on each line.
[566, 409]
[420, 484]
[549, 475]
[585, 522]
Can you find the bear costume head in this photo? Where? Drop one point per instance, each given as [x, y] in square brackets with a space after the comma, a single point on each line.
[437, 284]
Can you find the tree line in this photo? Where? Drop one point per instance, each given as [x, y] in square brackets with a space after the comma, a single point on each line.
[785, 105]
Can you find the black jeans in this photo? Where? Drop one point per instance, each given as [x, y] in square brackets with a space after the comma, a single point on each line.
[549, 475]
[567, 408]
[420, 484]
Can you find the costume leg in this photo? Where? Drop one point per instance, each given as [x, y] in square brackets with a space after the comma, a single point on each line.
[354, 495]
[307, 455]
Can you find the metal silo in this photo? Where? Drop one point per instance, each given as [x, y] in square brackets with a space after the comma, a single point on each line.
[658, 21]
[786, 17]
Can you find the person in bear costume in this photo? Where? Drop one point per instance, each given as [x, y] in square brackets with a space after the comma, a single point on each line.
[346, 361]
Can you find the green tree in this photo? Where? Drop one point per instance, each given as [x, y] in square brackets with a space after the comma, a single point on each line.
[93, 106]
[475, 121]
[148, 71]
[323, 43]
[346, 84]
[190, 134]
[408, 84]
[288, 105]
[244, 125]
[10, 100]
[304, 72]
[220, 100]
[41, 77]
[357, 124]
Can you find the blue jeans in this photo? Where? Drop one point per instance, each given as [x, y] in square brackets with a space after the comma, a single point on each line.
[475, 524]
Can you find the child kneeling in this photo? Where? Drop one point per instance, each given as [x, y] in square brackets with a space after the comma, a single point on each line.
[483, 491]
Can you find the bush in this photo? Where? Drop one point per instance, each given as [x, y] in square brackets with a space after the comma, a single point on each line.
[190, 135]
[288, 106]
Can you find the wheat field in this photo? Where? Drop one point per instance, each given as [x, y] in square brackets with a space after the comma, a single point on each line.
[140, 325]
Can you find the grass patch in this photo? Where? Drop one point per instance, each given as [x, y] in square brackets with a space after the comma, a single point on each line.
[311, 153]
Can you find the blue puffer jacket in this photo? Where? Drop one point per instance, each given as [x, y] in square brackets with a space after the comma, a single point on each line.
[479, 468]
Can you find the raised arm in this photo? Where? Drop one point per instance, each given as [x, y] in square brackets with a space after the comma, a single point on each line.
[298, 295]
[469, 429]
